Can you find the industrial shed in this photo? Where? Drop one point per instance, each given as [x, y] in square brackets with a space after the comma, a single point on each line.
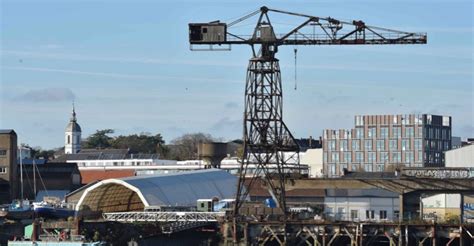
[177, 189]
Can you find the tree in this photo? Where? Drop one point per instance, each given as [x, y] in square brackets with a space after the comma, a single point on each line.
[142, 143]
[186, 146]
[100, 139]
[38, 153]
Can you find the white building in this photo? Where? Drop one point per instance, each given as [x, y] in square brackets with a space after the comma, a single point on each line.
[441, 207]
[314, 159]
[461, 157]
[72, 136]
[361, 205]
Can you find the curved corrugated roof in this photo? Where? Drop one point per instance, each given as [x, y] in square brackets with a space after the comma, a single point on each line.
[184, 188]
[177, 189]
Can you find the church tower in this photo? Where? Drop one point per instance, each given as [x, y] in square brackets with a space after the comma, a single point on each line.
[72, 144]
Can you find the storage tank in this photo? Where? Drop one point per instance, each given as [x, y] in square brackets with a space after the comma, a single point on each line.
[212, 153]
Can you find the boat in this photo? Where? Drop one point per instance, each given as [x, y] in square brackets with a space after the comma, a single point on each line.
[50, 210]
[19, 210]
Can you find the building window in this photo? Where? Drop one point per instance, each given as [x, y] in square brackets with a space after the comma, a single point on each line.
[359, 133]
[409, 132]
[68, 139]
[445, 145]
[348, 156]
[409, 158]
[348, 134]
[383, 214]
[380, 144]
[379, 167]
[396, 214]
[371, 157]
[331, 145]
[355, 167]
[418, 119]
[343, 145]
[3, 152]
[396, 132]
[393, 144]
[370, 214]
[445, 120]
[354, 214]
[3, 170]
[368, 167]
[405, 120]
[419, 132]
[335, 157]
[420, 156]
[384, 157]
[384, 132]
[405, 144]
[372, 132]
[418, 143]
[396, 157]
[360, 157]
[355, 145]
[325, 157]
[332, 170]
[359, 120]
[368, 144]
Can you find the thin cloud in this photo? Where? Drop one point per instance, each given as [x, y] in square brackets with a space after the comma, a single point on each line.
[144, 60]
[118, 75]
[345, 67]
[46, 95]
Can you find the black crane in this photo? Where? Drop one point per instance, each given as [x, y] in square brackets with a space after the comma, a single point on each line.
[267, 141]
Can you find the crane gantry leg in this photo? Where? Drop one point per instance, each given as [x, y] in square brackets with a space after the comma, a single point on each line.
[267, 140]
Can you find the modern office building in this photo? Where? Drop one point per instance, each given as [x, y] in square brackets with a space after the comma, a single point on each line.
[8, 166]
[383, 142]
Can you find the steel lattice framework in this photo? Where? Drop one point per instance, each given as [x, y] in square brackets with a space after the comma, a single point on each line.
[163, 216]
[267, 140]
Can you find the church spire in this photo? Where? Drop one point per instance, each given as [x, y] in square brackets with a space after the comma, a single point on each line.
[72, 144]
[73, 119]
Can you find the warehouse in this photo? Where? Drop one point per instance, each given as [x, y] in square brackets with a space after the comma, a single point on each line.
[157, 191]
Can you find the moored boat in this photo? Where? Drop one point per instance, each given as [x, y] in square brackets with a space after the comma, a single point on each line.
[19, 209]
[48, 210]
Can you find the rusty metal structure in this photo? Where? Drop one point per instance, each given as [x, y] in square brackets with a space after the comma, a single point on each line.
[267, 140]
[357, 234]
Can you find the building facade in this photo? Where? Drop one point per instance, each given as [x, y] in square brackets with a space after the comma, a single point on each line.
[8, 166]
[72, 136]
[361, 205]
[380, 142]
[460, 157]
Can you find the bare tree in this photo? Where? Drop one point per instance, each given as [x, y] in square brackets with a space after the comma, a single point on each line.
[186, 146]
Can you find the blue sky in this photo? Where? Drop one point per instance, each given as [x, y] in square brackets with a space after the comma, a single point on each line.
[128, 66]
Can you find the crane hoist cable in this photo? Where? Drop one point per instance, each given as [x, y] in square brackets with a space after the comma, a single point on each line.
[296, 52]
[295, 49]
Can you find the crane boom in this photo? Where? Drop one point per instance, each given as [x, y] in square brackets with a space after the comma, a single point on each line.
[326, 31]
